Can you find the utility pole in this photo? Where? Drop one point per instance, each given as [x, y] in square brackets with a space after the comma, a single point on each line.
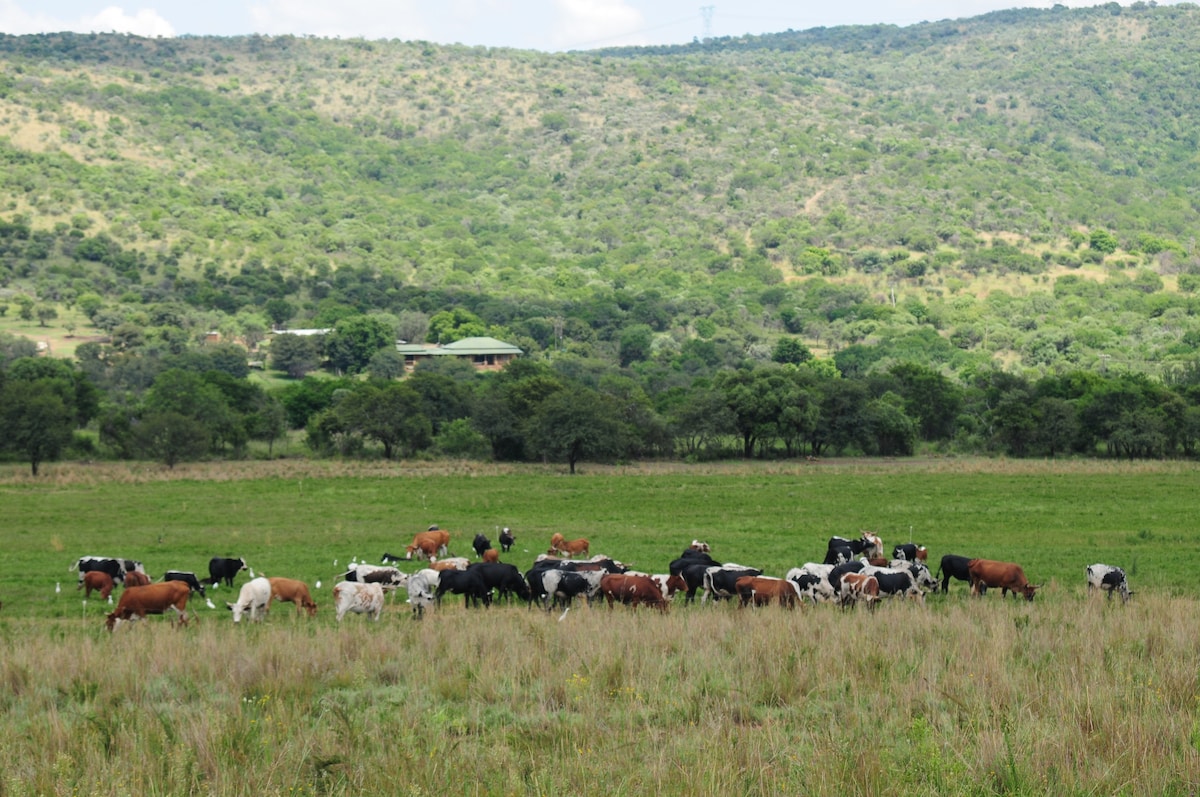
[706, 13]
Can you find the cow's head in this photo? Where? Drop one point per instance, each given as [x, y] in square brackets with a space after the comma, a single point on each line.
[1029, 589]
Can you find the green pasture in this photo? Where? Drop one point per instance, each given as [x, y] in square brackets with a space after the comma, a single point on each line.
[1054, 520]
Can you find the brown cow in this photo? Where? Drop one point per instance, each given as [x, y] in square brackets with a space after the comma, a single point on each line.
[568, 548]
[1007, 576]
[632, 590]
[765, 589]
[429, 544]
[290, 590]
[96, 581]
[858, 587]
[137, 602]
[136, 578]
[491, 555]
[453, 563]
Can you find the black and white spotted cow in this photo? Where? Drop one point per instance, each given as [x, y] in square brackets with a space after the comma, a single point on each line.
[1109, 579]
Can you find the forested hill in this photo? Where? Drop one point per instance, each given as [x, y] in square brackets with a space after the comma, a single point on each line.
[1019, 188]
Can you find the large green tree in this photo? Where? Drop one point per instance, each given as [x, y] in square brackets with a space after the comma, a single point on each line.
[37, 422]
[389, 413]
[577, 423]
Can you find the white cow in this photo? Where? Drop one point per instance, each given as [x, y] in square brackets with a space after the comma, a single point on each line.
[351, 596]
[420, 591]
[253, 599]
[1109, 579]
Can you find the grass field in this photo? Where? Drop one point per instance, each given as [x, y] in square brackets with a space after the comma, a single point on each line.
[1065, 695]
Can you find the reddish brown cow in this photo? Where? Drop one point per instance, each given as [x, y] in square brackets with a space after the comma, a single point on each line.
[453, 563]
[96, 581]
[764, 590]
[137, 602]
[568, 548]
[1007, 576]
[632, 590]
[491, 555]
[429, 544]
[136, 578]
[290, 590]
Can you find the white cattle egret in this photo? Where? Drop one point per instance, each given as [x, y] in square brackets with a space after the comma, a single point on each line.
[210, 603]
[318, 583]
[57, 587]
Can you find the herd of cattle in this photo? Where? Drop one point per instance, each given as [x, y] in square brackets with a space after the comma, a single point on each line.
[853, 571]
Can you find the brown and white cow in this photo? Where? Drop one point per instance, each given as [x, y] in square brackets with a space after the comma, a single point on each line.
[491, 555]
[96, 581]
[453, 563]
[137, 602]
[290, 590]
[356, 598]
[765, 590]
[859, 587]
[429, 544]
[1007, 576]
[632, 590]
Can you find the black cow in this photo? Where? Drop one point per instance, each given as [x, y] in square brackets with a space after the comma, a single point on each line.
[481, 544]
[115, 568]
[898, 583]
[843, 550]
[374, 574]
[504, 578]
[955, 567]
[689, 558]
[224, 569]
[909, 552]
[468, 583]
[721, 581]
[186, 577]
[507, 538]
[391, 558]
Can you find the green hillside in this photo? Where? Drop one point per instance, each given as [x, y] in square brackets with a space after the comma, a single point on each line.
[1016, 191]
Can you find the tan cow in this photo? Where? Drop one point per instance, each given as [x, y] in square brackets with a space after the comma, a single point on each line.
[290, 590]
[568, 548]
[429, 544]
[1007, 576]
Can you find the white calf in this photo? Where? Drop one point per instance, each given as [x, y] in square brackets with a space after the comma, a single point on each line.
[351, 596]
[253, 598]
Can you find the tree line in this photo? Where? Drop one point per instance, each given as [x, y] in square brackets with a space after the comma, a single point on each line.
[203, 403]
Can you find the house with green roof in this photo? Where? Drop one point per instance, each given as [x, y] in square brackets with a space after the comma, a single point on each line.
[486, 354]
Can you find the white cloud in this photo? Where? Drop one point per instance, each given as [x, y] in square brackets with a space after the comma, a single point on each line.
[146, 22]
[585, 23]
[370, 19]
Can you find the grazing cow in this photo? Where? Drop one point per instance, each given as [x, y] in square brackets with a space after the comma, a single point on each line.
[841, 549]
[765, 589]
[137, 602]
[1007, 576]
[254, 599]
[136, 578]
[668, 584]
[391, 559]
[505, 579]
[507, 538]
[567, 548]
[1109, 579]
[481, 544]
[468, 583]
[290, 590]
[357, 598]
[185, 576]
[429, 544]
[953, 566]
[374, 574]
[721, 582]
[96, 581]
[114, 568]
[453, 563]
[895, 582]
[860, 587]
[812, 580]
[221, 568]
[491, 555]
[420, 592]
[563, 586]
[632, 590]
[910, 552]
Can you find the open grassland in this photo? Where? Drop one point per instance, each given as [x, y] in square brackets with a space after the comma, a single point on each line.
[1065, 695]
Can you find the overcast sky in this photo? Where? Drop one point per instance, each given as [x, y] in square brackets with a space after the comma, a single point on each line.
[526, 24]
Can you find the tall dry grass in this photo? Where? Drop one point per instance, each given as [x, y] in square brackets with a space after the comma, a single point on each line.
[969, 697]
